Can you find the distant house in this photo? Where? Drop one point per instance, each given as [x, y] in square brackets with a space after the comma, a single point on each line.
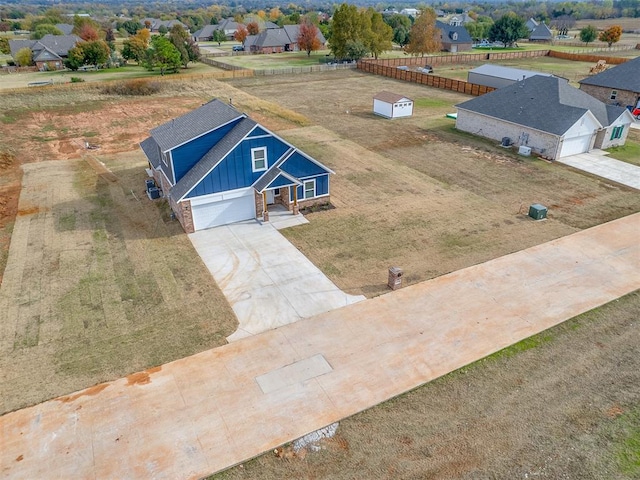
[49, 52]
[541, 34]
[619, 85]
[497, 76]
[277, 40]
[392, 105]
[229, 26]
[546, 114]
[454, 38]
[218, 166]
[205, 34]
[65, 28]
[531, 24]
[154, 24]
[460, 20]
[412, 12]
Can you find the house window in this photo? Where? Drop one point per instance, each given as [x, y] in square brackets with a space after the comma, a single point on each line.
[310, 188]
[165, 159]
[617, 132]
[259, 159]
[276, 191]
[614, 95]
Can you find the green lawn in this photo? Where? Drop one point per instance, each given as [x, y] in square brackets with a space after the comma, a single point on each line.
[629, 152]
[275, 60]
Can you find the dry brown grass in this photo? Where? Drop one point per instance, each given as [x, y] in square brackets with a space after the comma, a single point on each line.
[416, 193]
[100, 283]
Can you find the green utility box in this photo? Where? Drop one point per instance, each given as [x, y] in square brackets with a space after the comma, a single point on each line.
[537, 211]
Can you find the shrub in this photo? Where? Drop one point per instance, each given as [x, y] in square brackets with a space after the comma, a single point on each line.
[77, 80]
[133, 87]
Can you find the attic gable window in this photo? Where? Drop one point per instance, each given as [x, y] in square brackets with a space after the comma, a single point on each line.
[259, 159]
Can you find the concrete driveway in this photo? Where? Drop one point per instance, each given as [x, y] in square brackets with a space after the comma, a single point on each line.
[266, 280]
[605, 167]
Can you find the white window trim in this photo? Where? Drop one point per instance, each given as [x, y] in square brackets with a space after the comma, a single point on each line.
[253, 159]
[304, 189]
[614, 95]
[165, 158]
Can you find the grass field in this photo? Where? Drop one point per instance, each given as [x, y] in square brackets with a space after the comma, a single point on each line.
[418, 194]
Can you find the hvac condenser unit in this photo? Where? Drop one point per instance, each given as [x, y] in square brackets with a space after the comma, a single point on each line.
[523, 150]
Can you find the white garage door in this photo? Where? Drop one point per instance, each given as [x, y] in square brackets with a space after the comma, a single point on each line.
[575, 145]
[221, 212]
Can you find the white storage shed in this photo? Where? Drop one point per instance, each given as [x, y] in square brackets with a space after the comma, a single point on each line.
[392, 105]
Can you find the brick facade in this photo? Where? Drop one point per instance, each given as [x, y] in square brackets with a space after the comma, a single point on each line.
[183, 214]
[541, 143]
[623, 97]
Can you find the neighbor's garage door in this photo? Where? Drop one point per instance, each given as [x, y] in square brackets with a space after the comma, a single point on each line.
[221, 212]
[575, 145]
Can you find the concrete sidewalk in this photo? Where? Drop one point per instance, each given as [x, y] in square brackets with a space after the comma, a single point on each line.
[204, 413]
[605, 167]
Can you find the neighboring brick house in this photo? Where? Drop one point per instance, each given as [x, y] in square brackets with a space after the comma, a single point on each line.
[49, 52]
[277, 40]
[218, 166]
[546, 114]
[454, 38]
[619, 85]
[154, 24]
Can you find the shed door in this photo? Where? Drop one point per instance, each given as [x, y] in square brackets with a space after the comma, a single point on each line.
[575, 145]
[223, 212]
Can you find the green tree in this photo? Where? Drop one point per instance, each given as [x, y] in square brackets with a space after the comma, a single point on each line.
[380, 35]
[478, 30]
[401, 35]
[4, 46]
[163, 30]
[132, 26]
[588, 34]
[135, 47]
[355, 50]
[508, 29]
[308, 37]
[611, 35]
[219, 36]
[95, 52]
[347, 26]
[189, 51]
[24, 57]
[75, 57]
[45, 29]
[163, 54]
[424, 36]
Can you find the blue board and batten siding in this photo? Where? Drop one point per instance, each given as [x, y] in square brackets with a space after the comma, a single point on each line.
[235, 170]
[322, 187]
[187, 155]
[258, 132]
[299, 166]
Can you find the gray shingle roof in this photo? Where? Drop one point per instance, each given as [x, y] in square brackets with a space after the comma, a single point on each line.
[206, 31]
[448, 33]
[194, 124]
[65, 28]
[293, 32]
[548, 104]
[60, 44]
[152, 151]
[541, 32]
[625, 76]
[212, 157]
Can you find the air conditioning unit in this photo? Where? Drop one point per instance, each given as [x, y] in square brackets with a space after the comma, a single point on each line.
[526, 151]
[506, 141]
[153, 193]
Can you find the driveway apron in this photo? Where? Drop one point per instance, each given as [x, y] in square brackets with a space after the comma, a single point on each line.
[267, 281]
[605, 167]
[204, 413]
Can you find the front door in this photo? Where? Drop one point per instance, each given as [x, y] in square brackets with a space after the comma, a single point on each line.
[270, 200]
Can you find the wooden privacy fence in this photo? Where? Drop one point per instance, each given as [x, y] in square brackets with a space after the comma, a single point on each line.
[579, 57]
[425, 79]
[456, 58]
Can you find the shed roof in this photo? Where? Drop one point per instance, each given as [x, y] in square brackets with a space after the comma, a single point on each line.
[548, 104]
[506, 72]
[625, 76]
[541, 32]
[208, 117]
[151, 150]
[390, 97]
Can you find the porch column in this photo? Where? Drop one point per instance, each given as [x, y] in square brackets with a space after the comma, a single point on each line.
[265, 211]
[295, 200]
